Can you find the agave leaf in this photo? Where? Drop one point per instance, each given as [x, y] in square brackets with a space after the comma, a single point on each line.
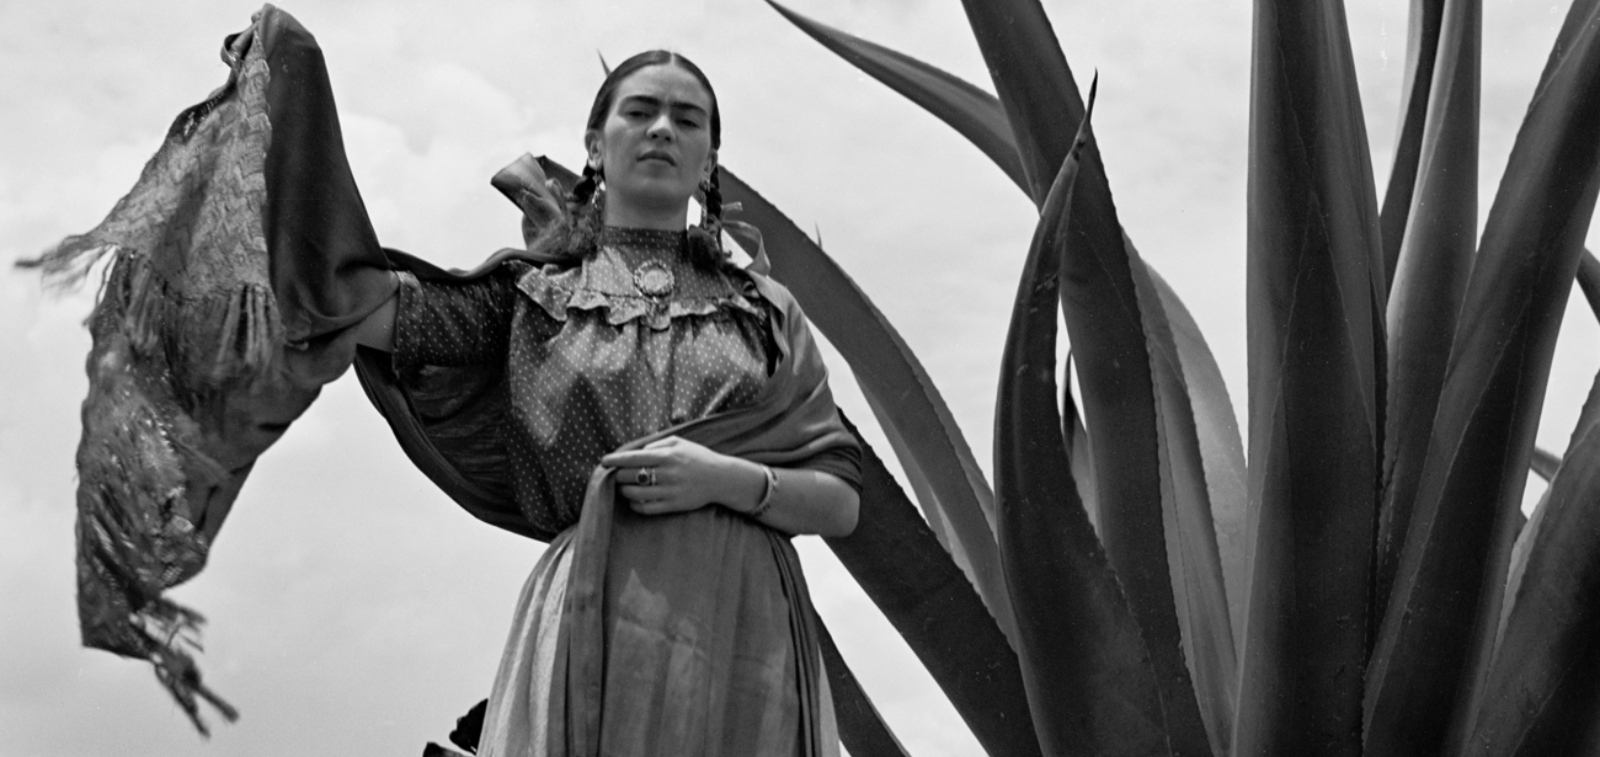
[1037, 91]
[1133, 400]
[1215, 457]
[1421, 49]
[978, 115]
[1203, 496]
[1543, 691]
[931, 449]
[1216, 431]
[900, 565]
[1078, 450]
[1545, 464]
[1315, 303]
[1194, 562]
[1090, 681]
[861, 728]
[966, 652]
[1589, 280]
[1520, 551]
[969, 110]
[1104, 310]
[1430, 281]
[1437, 637]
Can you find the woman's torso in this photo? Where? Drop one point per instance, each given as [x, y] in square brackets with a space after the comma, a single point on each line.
[634, 340]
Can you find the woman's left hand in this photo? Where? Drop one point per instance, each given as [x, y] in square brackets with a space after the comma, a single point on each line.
[674, 475]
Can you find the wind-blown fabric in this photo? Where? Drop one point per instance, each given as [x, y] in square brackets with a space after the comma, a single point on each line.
[208, 339]
[241, 259]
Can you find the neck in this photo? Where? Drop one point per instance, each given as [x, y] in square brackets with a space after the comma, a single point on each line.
[634, 217]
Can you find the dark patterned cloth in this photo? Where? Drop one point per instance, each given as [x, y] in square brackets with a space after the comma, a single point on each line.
[224, 310]
[590, 362]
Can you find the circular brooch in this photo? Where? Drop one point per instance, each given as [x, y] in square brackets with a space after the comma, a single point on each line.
[652, 279]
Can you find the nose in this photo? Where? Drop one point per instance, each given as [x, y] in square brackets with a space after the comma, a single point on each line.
[661, 127]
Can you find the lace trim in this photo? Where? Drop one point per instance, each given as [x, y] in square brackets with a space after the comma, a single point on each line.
[604, 282]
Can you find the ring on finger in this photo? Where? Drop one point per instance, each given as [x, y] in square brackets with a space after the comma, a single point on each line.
[646, 477]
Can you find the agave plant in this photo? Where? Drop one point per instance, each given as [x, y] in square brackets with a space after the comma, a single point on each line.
[1367, 583]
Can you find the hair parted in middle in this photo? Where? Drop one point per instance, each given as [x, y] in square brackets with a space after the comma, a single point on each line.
[586, 203]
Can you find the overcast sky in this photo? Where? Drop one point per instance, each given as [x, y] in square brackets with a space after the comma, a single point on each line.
[353, 608]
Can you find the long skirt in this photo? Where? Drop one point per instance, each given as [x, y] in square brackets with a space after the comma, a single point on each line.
[705, 627]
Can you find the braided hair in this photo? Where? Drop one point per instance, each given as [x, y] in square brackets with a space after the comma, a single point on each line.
[586, 204]
[705, 240]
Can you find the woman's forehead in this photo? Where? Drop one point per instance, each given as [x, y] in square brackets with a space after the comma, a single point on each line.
[666, 84]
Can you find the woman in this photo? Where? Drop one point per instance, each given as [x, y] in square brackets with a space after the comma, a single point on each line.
[681, 626]
[618, 389]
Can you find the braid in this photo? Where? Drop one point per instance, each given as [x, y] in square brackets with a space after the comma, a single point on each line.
[583, 191]
[705, 240]
[711, 211]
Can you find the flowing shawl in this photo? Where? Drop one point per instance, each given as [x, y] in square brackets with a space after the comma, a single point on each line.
[240, 260]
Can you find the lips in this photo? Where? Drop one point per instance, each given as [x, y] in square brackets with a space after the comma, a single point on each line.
[658, 155]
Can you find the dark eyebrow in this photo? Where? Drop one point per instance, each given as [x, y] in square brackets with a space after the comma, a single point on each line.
[678, 105]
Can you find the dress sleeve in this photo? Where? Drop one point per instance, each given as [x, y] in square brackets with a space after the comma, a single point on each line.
[843, 462]
[453, 323]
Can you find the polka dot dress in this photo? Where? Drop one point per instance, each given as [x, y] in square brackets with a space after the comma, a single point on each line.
[633, 340]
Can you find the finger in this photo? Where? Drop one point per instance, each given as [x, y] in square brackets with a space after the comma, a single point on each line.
[665, 441]
[660, 507]
[634, 458]
[645, 507]
[645, 477]
[639, 493]
[652, 506]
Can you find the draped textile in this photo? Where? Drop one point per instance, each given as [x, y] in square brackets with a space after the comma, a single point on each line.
[792, 419]
[240, 259]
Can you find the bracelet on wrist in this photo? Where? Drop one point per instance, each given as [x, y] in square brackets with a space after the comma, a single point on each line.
[770, 496]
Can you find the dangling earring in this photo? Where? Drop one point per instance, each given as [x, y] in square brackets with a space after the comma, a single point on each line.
[597, 201]
[598, 171]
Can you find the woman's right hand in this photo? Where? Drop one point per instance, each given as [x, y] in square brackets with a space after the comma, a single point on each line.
[675, 475]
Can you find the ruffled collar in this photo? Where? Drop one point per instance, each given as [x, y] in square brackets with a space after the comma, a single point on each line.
[638, 274]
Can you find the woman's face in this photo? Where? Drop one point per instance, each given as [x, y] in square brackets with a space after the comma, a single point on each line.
[655, 143]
